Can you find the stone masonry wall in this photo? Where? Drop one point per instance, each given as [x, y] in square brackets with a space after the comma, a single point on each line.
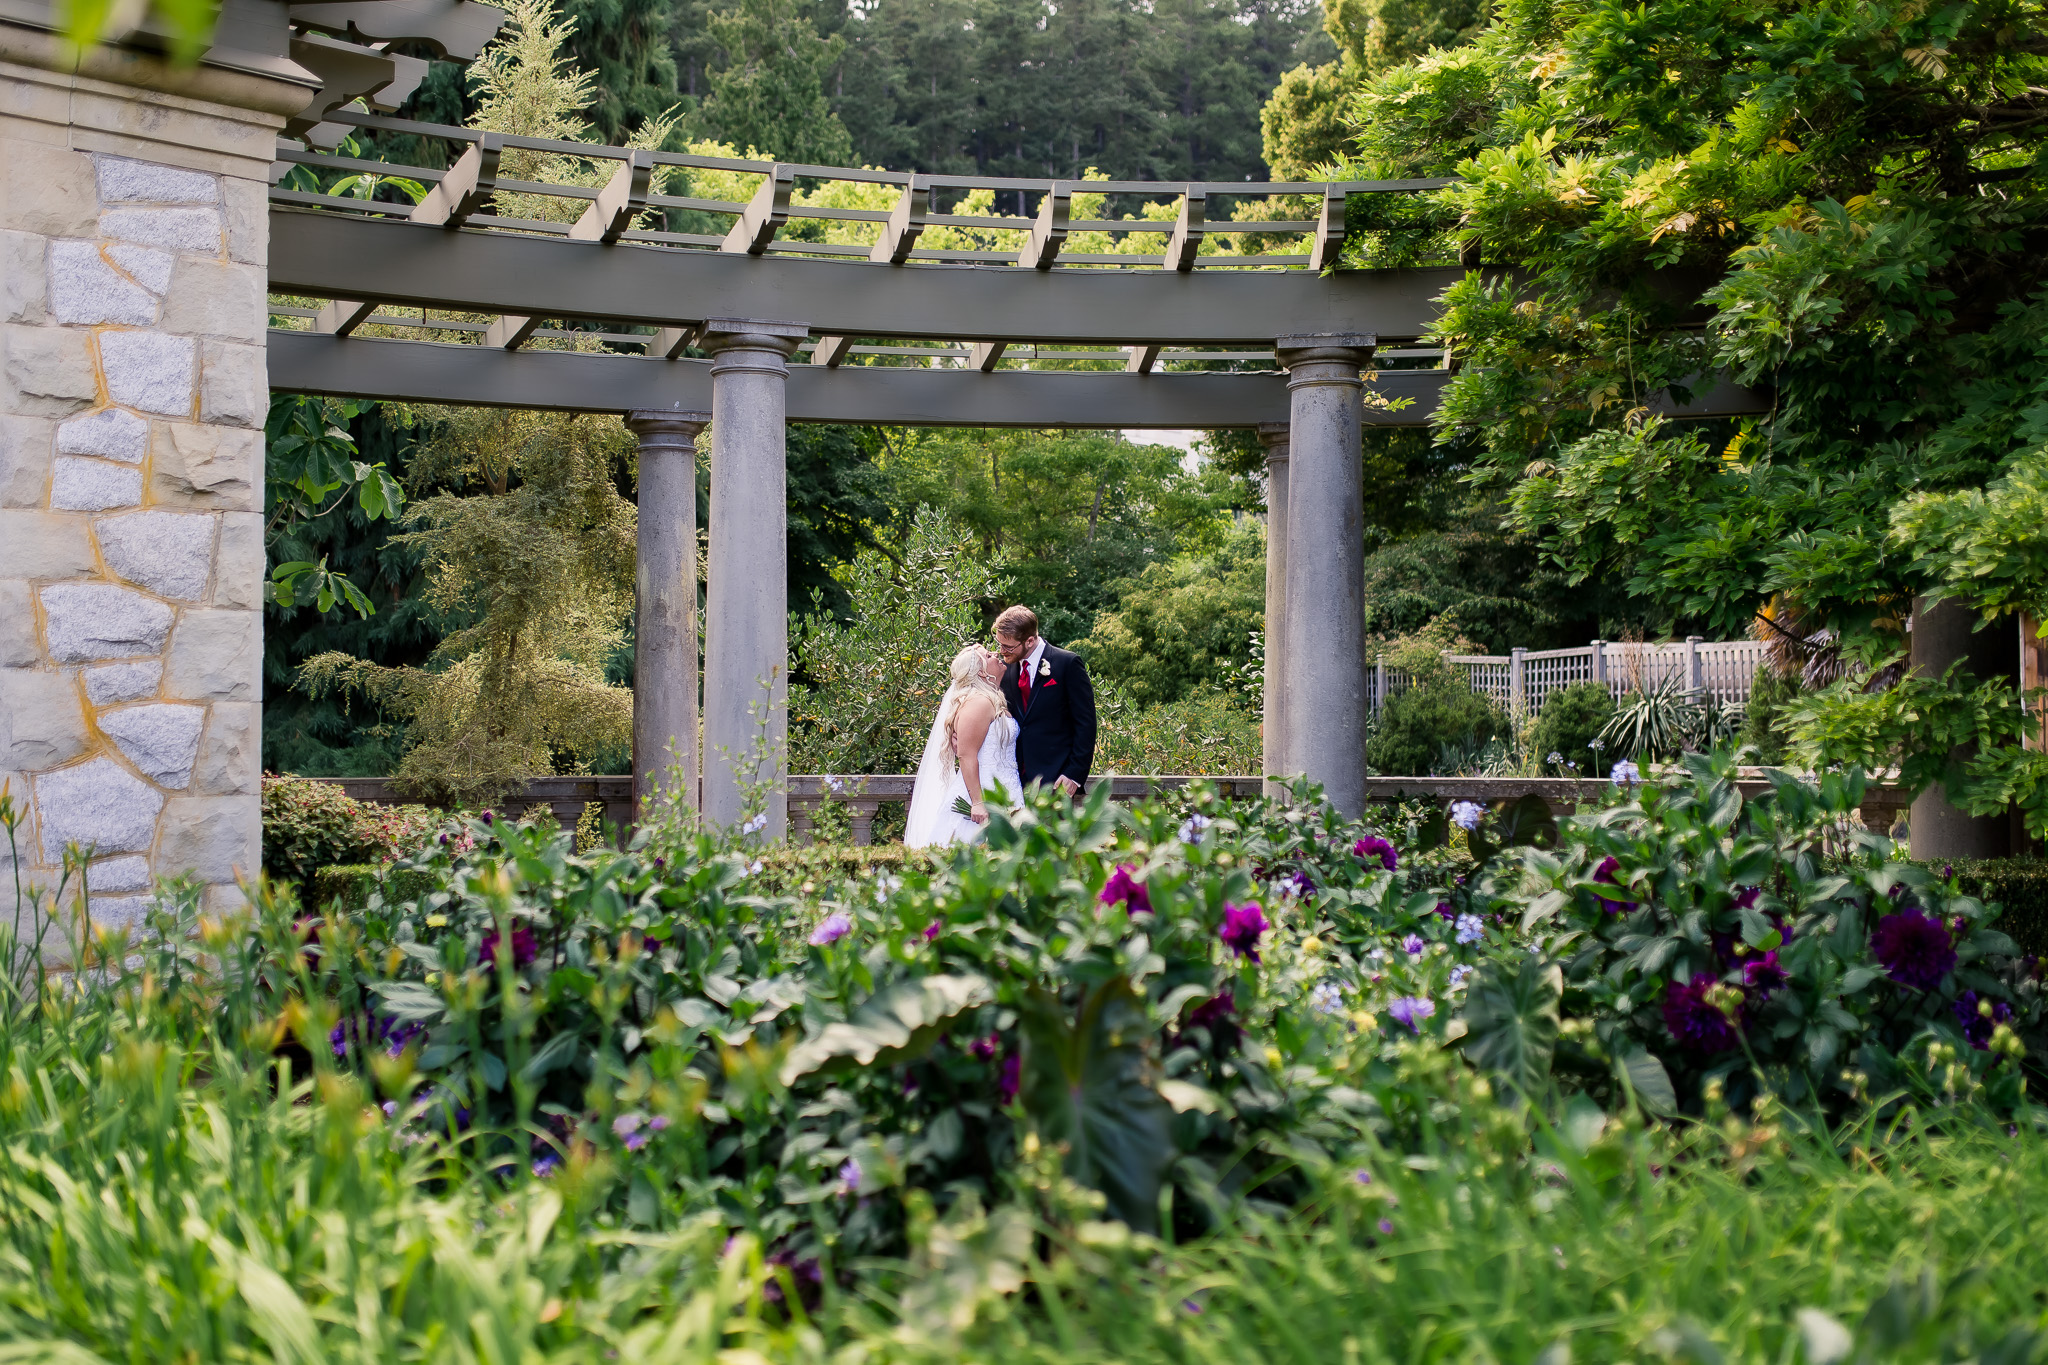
[133, 242]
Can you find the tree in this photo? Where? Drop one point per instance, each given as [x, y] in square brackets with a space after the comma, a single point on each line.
[766, 92]
[1840, 202]
[1183, 626]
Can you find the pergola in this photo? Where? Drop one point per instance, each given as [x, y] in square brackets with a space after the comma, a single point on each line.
[1015, 331]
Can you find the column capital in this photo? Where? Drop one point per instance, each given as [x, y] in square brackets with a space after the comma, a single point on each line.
[724, 336]
[1325, 357]
[1274, 437]
[660, 429]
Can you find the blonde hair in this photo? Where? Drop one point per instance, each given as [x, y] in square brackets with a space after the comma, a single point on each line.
[964, 677]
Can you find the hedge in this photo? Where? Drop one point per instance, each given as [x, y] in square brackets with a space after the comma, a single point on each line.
[2020, 885]
[349, 885]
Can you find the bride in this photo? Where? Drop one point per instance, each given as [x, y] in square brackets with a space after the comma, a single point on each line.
[972, 750]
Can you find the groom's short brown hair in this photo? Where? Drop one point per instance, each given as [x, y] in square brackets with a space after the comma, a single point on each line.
[1017, 623]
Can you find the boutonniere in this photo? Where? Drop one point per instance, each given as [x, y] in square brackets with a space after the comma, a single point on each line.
[1045, 670]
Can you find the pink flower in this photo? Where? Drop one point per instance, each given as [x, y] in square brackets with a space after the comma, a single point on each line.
[1241, 928]
[1122, 888]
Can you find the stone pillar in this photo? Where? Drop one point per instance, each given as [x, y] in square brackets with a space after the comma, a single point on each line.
[746, 605]
[133, 241]
[1942, 634]
[665, 605]
[1326, 702]
[1274, 436]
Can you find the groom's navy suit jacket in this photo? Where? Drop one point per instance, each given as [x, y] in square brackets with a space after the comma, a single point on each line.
[1056, 732]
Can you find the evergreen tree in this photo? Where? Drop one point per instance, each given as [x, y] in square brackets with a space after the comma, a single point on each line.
[767, 91]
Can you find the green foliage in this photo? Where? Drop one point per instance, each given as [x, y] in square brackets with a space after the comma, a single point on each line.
[1302, 123]
[866, 690]
[1762, 733]
[2017, 886]
[530, 549]
[312, 826]
[766, 88]
[1205, 732]
[1376, 34]
[1184, 624]
[1416, 725]
[349, 886]
[310, 458]
[1570, 719]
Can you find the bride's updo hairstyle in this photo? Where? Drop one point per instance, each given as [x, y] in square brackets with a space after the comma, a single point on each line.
[964, 680]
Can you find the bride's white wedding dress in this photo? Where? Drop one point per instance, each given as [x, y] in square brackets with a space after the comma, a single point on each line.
[939, 784]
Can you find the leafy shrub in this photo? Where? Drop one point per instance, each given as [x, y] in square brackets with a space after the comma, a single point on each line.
[1205, 733]
[348, 886]
[1570, 720]
[2018, 886]
[1182, 627]
[308, 825]
[1768, 694]
[1415, 726]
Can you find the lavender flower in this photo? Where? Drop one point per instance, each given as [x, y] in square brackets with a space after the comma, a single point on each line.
[1466, 815]
[1915, 949]
[1299, 886]
[1241, 928]
[635, 1141]
[1387, 1226]
[1363, 1177]
[849, 1177]
[1372, 846]
[755, 825]
[831, 929]
[1192, 827]
[1124, 889]
[545, 1166]
[1696, 1023]
[1411, 1010]
[1458, 975]
[1413, 945]
[1625, 773]
[1327, 998]
[1471, 928]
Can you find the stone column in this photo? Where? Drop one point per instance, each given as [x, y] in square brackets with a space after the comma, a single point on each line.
[133, 242]
[1942, 634]
[665, 606]
[1325, 669]
[746, 605]
[1274, 436]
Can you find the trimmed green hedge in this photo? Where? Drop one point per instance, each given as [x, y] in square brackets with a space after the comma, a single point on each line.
[349, 885]
[2020, 885]
[785, 870]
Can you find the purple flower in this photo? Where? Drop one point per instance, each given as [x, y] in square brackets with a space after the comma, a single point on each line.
[657, 1123]
[486, 817]
[849, 1177]
[1696, 1023]
[1299, 886]
[1242, 925]
[524, 948]
[635, 1141]
[546, 1166]
[1362, 1177]
[1411, 1010]
[1124, 889]
[1915, 949]
[931, 931]
[1977, 1020]
[831, 929]
[1763, 975]
[1413, 945]
[1470, 929]
[1445, 910]
[1605, 873]
[1372, 846]
[985, 1048]
[1898, 891]
[1747, 897]
[1214, 1012]
[1387, 1226]
[1012, 1073]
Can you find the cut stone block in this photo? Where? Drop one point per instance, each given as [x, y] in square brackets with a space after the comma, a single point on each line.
[217, 299]
[231, 752]
[128, 873]
[236, 386]
[248, 206]
[208, 466]
[216, 656]
[97, 803]
[49, 371]
[44, 545]
[84, 289]
[90, 621]
[123, 181]
[24, 460]
[149, 371]
[19, 647]
[216, 837]
[111, 683]
[174, 229]
[42, 723]
[21, 277]
[47, 189]
[170, 553]
[160, 738]
[146, 266]
[93, 485]
[238, 572]
[110, 432]
[110, 915]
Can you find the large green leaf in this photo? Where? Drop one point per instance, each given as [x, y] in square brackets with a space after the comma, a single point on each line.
[1511, 1021]
[1086, 1086]
[895, 1024]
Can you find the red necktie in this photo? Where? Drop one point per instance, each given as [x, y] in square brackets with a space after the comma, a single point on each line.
[1024, 682]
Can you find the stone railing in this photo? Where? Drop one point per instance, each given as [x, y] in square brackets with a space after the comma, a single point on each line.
[864, 797]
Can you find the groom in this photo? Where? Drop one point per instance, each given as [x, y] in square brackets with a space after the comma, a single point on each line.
[1047, 688]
